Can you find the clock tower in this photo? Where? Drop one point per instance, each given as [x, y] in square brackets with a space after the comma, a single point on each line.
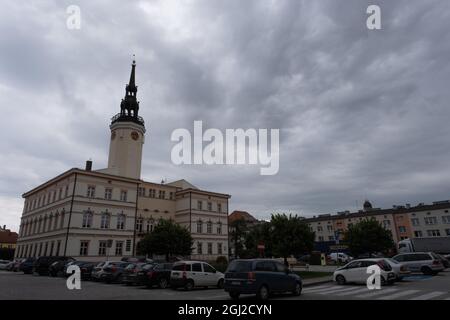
[127, 135]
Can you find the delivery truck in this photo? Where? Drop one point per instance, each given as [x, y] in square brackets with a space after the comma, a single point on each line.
[439, 245]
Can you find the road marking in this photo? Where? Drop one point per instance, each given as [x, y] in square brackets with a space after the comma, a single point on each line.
[398, 294]
[373, 293]
[428, 296]
[315, 288]
[327, 291]
[352, 292]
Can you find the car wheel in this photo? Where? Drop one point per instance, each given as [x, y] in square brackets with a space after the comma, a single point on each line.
[426, 270]
[163, 283]
[119, 278]
[189, 285]
[340, 279]
[263, 293]
[298, 289]
[220, 284]
[234, 295]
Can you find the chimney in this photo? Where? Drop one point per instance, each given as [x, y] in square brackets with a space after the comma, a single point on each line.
[4, 227]
[89, 165]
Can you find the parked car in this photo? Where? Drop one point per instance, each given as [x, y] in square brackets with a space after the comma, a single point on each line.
[444, 260]
[112, 272]
[356, 271]
[4, 264]
[26, 266]
[398, 268]
[425, 262]
[190, 274]
[57, 268]
[85, 269]
[42, 264]
[158, 275]
[134, 273]
[261, 277]
[16, 264]
[340, 257]
[97, 272]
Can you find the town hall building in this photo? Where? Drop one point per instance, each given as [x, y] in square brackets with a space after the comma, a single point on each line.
[98, 214]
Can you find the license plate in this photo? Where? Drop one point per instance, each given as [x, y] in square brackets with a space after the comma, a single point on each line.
[235, 283]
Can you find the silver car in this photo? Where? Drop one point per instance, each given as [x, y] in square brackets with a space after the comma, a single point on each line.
[425, 262]
[398, 268]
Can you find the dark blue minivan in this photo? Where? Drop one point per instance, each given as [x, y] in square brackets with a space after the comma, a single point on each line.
[261, 277]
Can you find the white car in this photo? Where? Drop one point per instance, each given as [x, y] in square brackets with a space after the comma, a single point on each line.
[356, 271]
[340, 257]
[4, 264]
[190, 274]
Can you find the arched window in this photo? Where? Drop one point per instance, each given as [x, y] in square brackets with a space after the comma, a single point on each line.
[104, 223]
[87, 219]
[121, 221]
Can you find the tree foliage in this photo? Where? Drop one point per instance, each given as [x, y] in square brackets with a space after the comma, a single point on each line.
[368, 236]
[167, 238]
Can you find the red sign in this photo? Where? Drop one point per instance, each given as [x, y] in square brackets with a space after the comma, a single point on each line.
[261, 247]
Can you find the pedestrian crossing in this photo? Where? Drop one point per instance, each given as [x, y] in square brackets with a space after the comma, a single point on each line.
[397, 292]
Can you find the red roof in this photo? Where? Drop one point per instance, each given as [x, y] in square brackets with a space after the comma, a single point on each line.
[241, 215]
[8, 237]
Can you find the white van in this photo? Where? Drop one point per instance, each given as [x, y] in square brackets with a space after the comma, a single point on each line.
[190, 274]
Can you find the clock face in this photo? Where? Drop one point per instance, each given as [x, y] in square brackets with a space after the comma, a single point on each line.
[113, 135]
[134, 135]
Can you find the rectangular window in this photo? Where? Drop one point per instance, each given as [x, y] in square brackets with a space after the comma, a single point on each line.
[446, 219]
[123, 195]
[139, 224]
[199, 227]
[102, 244]
[108, 193]
[320, 238]
[141, 192]
[152, 193]
[104, 223]
[171, 195]
[121, 222]
[329, 227]
[128, 246]
[433, 233]
[402, 229]
[219, 248]
[319, 229]
[209, 227]
[415, 222]
[199, 248]
[209, 206]
[66, 192]
[119, 248]
[90, 192]
[430, 220]
[58, 246]
[418, 234]
[60, 194]
[219, 228]
[210, 248]
[219, 207]
[84, 245]
[87, 220]
[386, 223]
[162, 194]
[447, 232]
[199, 205]
[330, 238]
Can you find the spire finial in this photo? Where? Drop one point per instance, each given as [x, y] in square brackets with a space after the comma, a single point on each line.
[134, 59]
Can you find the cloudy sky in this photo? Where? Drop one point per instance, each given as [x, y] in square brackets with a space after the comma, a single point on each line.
[362, 114]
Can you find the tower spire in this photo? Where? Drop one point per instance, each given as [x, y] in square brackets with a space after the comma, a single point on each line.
[129, 107]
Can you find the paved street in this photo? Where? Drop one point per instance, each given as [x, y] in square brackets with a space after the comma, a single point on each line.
[20, 286]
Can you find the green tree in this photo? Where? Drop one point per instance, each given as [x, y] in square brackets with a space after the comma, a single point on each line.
[368, 236]
[289, 235]
[167, 238]
[258, 234]
[238, 231]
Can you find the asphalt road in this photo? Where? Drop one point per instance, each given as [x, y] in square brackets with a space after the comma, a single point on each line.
[20, 286]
